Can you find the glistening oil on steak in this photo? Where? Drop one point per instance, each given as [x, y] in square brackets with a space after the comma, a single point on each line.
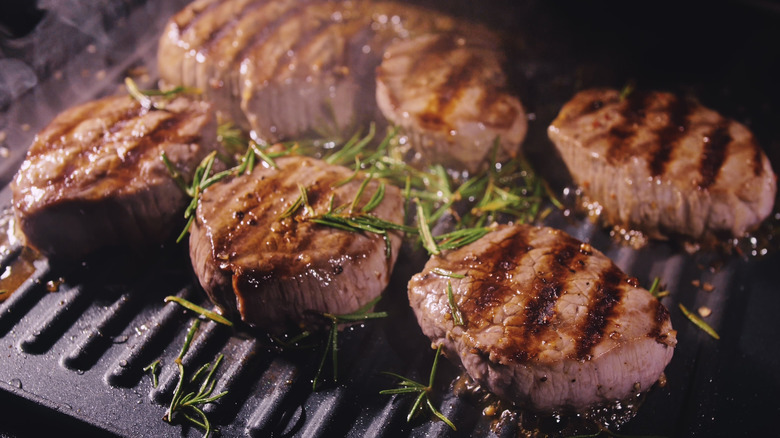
[549, 323]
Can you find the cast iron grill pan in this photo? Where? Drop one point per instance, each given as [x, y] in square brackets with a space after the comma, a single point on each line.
[74, 339]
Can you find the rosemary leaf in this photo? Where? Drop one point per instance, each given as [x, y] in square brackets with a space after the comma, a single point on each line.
[352, 148]
[299, 201]
[425, 232]
[135, 92]
[359, 194]
[441, 416]
[185, 401]
[214, 316]
[375, 200]
[445, 273]
[457, 318]
[409, 386]
[188, 340]
[698, 321]
[175, 174]
[655, 289]
[416, 406]
[261, 153]
[231, 138]
[144, 96]
[459, 238]
[331, 344]
[328, 344]
[154, 370]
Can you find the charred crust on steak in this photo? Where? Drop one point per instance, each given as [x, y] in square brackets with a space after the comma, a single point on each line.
[600, 309]
[715, 144]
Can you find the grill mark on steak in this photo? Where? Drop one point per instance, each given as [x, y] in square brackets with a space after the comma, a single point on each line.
[264, 199]
[303, 40]
[269, 29]
[477, 309]
[714, 154]
[116, 123]
[661, 315]
[600, 308]
[633, 112]
[449, 92]
[527, 342]
[226, 30]
[197, 15]
[588, 107]
[669, 136]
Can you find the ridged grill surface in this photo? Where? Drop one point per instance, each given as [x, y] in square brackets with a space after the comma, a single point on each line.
[75, 339]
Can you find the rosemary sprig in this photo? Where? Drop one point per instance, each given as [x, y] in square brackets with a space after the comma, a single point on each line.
[144, 97]
[627, 90]
[656, 290]
[232, 138]
[214, 316]
[345, 218]
[409, 386]
[190, 395]
[331, 344]
[154, 370]
[352, 148]
[202, 179]
[459, 238]
[301, 200]
[512, 189]
[361, 222]
[698, 321]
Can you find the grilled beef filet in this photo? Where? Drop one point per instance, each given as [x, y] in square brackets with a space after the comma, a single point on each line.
[664, 165]
[274, 269]
[94, 176]
[448, 93]
[285, 68]
[548, 321]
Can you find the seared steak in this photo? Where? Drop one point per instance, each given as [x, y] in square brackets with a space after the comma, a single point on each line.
[94, 177]
[286, 68]
[664, 165]
[548, 321]
[272, 268]
[448, 93]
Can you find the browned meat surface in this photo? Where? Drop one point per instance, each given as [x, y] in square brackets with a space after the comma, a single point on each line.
[273, 269]
[664, 165]
[548, 321]
[448, 93]
[286, 68]
[94, 176]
